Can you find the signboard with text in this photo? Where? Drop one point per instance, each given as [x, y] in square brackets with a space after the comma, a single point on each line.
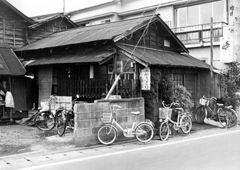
[226, 49]
[145, 77]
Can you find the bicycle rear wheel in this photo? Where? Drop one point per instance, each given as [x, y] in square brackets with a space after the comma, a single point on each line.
[164, 131]
[186, 124]
[227, 118]
[62, 119]
[45, 120]
[200, 114]
[107, 134]
[144, 132]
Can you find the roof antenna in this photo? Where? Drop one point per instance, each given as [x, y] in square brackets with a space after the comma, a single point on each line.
[63, 7]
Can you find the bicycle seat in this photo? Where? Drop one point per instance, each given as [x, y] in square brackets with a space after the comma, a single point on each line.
[219, 104]
[179, 109]
[136, 112]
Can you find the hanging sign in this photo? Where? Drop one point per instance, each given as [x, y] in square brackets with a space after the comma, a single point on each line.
[145, 78]
[226, 49]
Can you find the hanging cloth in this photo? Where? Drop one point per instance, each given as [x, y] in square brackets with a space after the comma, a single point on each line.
[9, 102]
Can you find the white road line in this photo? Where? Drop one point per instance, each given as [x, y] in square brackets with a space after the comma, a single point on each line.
[127, 151]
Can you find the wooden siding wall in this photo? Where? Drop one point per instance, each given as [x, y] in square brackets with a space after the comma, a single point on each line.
[12, 27]
[152, 38]
[47, 29]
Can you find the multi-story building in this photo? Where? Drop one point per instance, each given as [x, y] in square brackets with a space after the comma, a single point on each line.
[190, 20]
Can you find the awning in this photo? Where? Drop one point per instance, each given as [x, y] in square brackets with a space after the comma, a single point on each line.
[9, 63]
[100, 57]
[158, 57]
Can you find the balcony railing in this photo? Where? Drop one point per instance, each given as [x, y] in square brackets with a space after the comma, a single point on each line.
[199, 33]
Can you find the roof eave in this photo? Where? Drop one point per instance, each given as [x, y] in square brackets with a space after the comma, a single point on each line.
[18, 12]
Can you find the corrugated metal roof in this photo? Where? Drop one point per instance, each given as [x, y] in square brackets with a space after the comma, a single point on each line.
[165, 58]
[99, 57]
[9, 63]
[87, 34]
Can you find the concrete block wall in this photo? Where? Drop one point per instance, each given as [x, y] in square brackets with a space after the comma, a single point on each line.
[88, 118]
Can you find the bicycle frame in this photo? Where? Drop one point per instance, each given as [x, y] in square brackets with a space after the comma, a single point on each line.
[208, 108]
[177, 123]
[126, 130]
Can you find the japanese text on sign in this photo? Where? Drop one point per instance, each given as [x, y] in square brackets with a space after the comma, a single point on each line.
[145, 77]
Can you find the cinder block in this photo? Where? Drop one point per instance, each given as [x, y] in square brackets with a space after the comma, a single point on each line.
[82, 132]
[121, 112]
[92, 107]
[141, 118]
[96, 123]
[96, 115]
[82, 124]
[82, 108]
[122, 119]
[95, 129]
[106, 107]
[142, 111]
[84, 116]
[99, 107]
[134, 104]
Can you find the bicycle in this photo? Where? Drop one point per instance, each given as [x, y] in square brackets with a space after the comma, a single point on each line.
[65, 118]
[44, 119]
[107, 134]
[225, 115]
[183, 122]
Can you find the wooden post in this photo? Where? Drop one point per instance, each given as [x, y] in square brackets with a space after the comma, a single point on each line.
[211, 59]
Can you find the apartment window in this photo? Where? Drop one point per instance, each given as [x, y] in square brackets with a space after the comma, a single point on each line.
[200, 14]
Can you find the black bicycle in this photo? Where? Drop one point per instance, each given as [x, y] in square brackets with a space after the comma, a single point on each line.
[44, 119]
[65, 118]
[209, 108]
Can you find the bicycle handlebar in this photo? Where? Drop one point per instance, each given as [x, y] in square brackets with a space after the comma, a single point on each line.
[212, 98]
[171, 104]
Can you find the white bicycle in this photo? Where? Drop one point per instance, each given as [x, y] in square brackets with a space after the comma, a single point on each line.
[107, 134]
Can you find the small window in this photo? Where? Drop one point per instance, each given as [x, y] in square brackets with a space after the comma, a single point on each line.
[105, 21]
[166, 43]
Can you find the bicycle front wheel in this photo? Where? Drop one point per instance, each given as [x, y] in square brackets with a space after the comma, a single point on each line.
[144, 132]
[45, 120]
[107, 134]
[61, 122]
[200, 114]
[186, 124]
[164, 131]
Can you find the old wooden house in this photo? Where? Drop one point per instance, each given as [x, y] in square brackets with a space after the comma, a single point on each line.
[86, 60]
[17, 30]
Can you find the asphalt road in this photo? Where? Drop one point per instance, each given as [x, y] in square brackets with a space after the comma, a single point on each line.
[217, 151]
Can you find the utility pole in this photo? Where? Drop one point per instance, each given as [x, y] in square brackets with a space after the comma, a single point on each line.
[211, 59]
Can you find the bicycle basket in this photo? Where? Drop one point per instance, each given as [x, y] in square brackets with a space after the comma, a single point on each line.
[203, 102]
[107, 118]
[165, 112]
